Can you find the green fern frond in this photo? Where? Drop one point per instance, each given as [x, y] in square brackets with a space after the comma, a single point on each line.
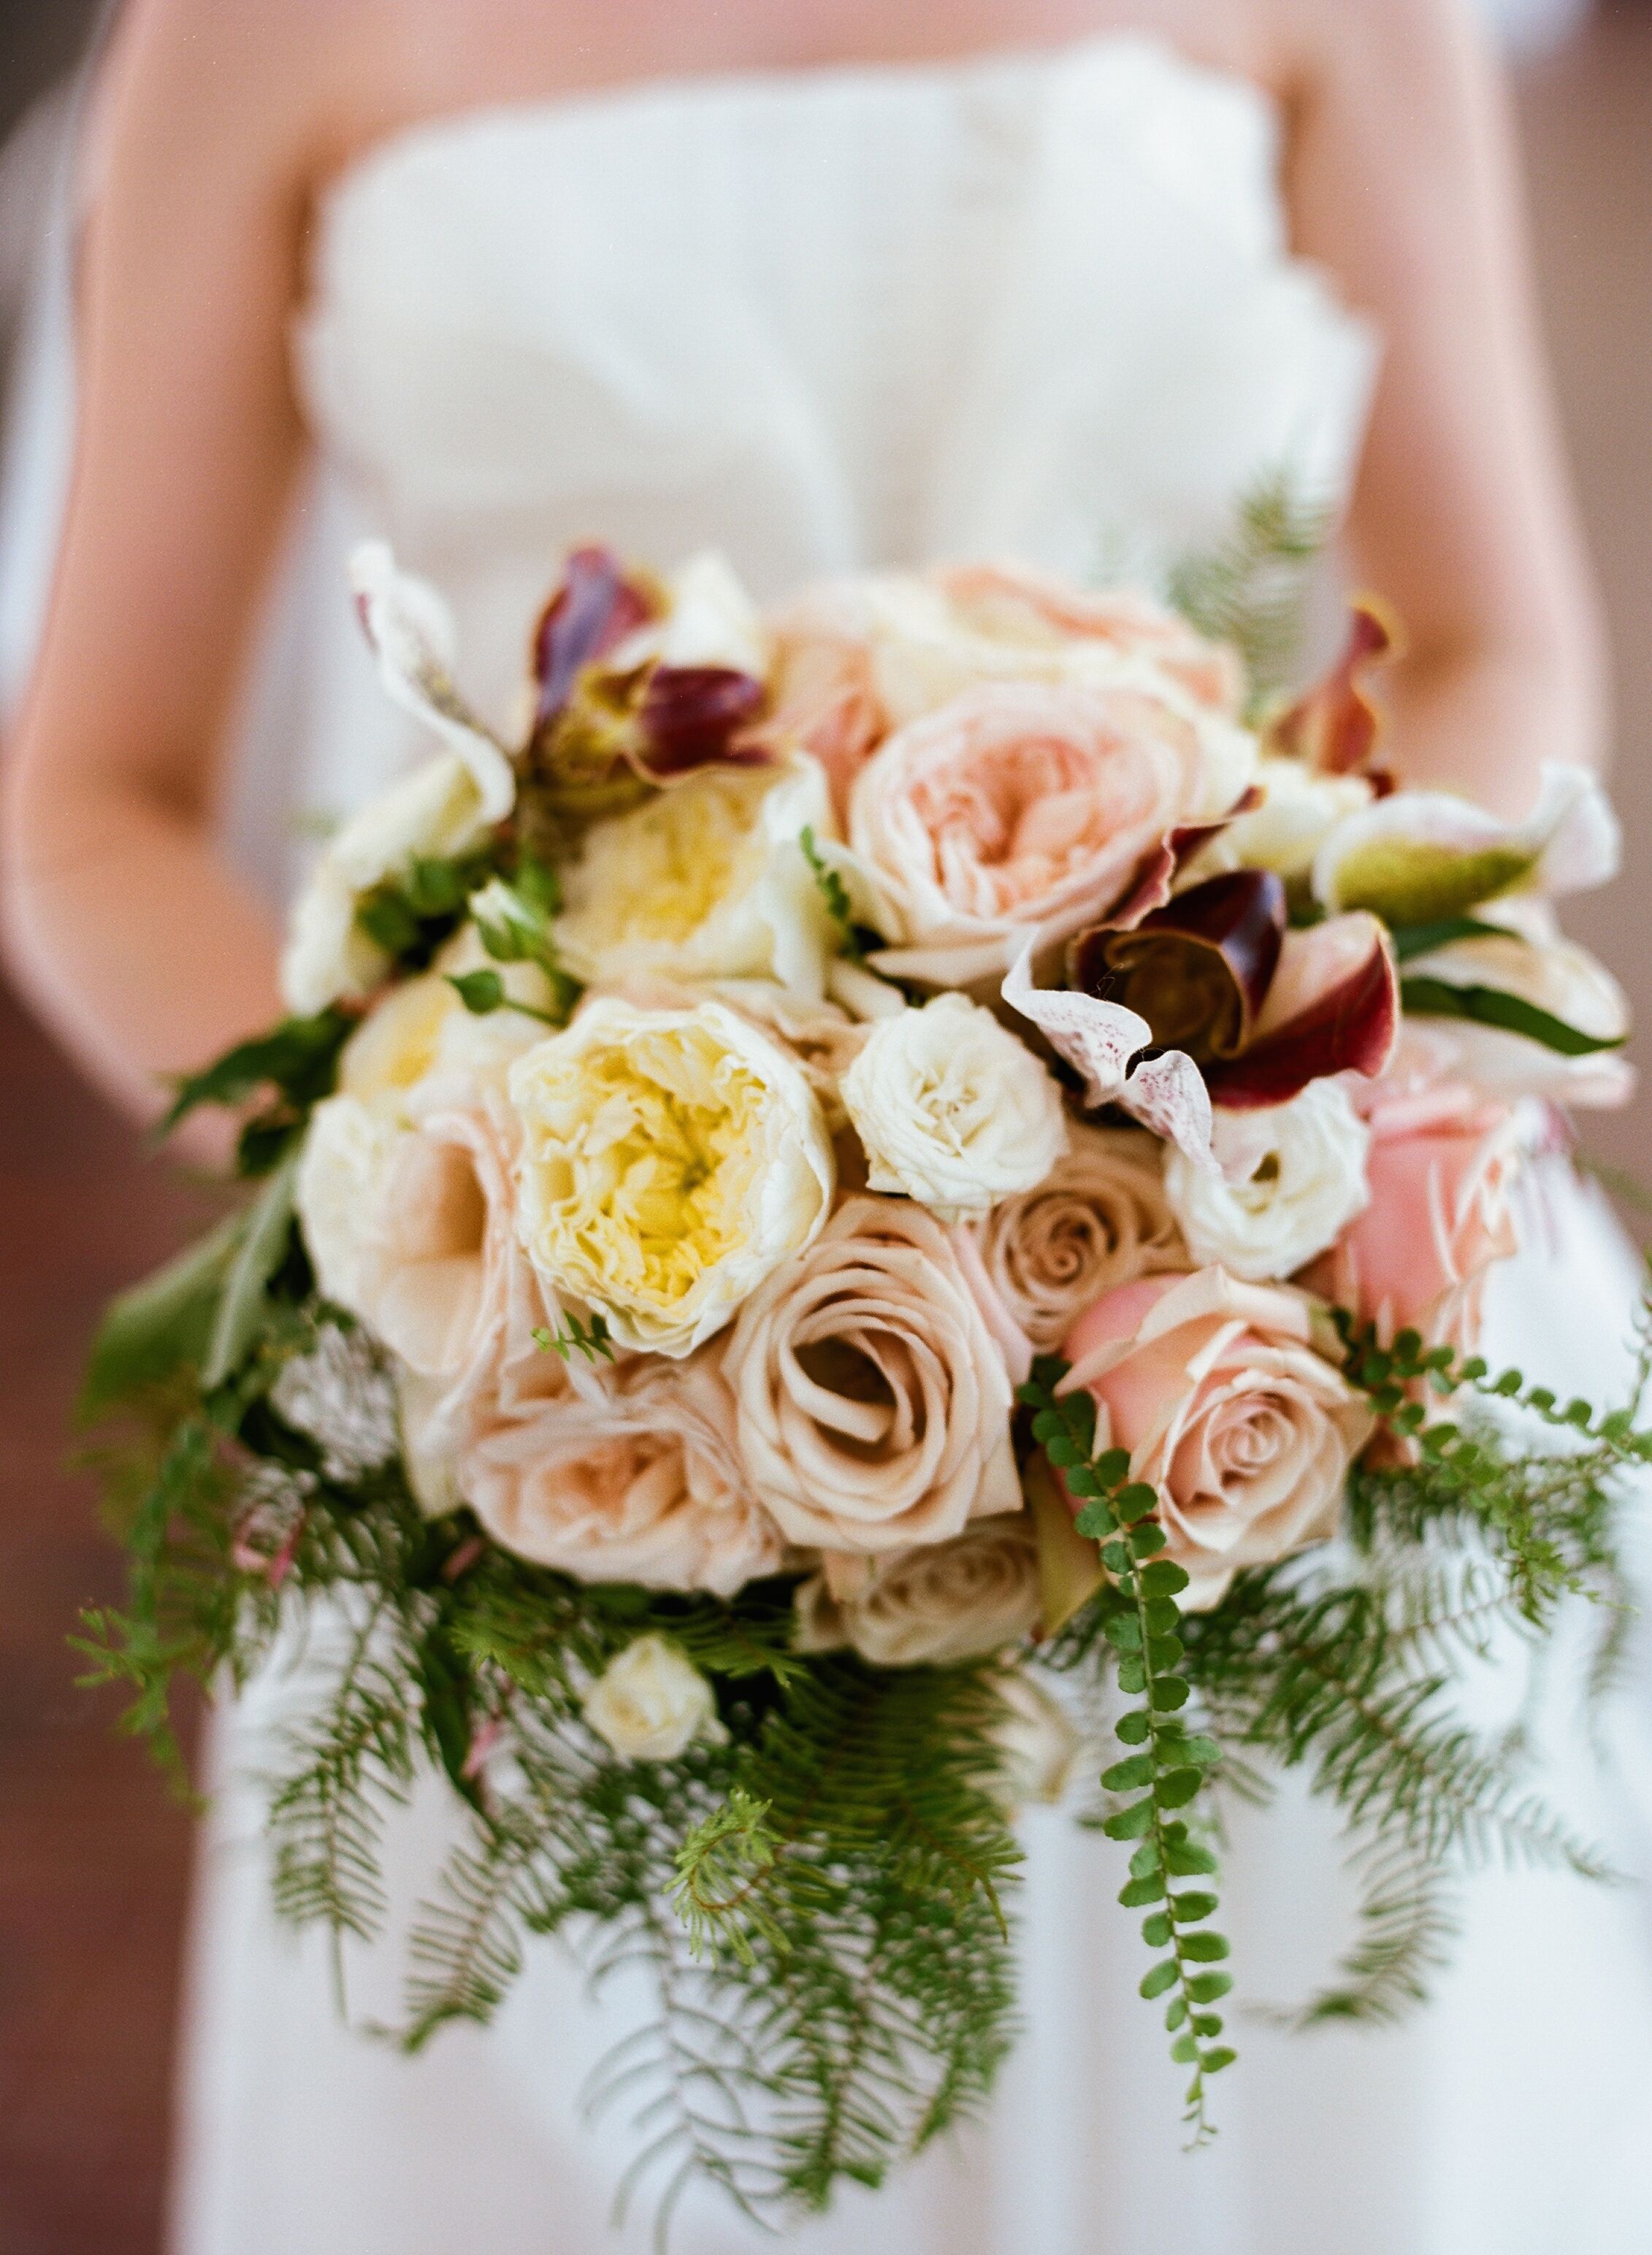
[1252, 589]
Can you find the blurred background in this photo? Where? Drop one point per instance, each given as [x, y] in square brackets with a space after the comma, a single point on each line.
[93, 1858]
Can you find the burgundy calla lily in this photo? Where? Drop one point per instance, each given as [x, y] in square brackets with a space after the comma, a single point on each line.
[1334, 727]
[693, 715]
[1197, 969]
[1333, 1006]
[591, 612]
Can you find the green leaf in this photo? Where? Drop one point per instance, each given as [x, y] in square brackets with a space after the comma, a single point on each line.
[1185, 1861]
[1414, 939]
[1146, 1537]
[1175, 2014]
[1133, 1675]
[1490, 1005]
[299, 1058]
[1130, 1824]
[481, 992]
[1157, 1929]
[1126, 1776]
[1123, 1632]
[261, 1253]
[1095, 1523]
[1186, 2049]
[1204, 1947]
[1216, 2060]
[1135, 1501]
[1159, 1978]
[1190, 1906]
[1168, 1692]
[1206, 1988]
[1137, 1892]
[1176, 1787]
[1134, 1728]
[1145, 1860]
[1164, 1617]
[1165, 1578]
[161, 1325]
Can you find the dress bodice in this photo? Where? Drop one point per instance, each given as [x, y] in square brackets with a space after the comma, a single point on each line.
[1038, 305]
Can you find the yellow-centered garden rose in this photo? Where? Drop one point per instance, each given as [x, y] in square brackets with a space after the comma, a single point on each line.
[670, 1160]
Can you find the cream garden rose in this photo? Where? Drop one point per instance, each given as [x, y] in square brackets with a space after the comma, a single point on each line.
[650, 1702]
[951, 1109]
[707, 880]
[1099, 1217]
[939, 1602]
[1293, 1176]
[642, 1483]
[1228, 1410]
[670, 1160]
[1030, 806]
[873, 1404]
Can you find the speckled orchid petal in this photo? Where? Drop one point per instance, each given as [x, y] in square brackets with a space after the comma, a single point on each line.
[1104, 1044]
[413, 635]
[1198, 968]
[1334, 728]
[591, 612]
[1333, 1007]
[1419, 856]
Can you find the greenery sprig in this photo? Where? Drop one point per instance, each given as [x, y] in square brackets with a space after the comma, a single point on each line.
[1169, 1765]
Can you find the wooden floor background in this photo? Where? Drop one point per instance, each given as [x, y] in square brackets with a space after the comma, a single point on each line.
[94, 1859]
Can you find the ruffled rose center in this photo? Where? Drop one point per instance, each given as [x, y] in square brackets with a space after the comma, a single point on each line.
[1012, 821]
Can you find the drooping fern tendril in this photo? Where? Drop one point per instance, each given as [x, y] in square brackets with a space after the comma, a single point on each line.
[1169, 1765]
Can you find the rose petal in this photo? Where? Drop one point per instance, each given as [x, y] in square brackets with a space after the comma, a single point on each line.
[412, 632]
[1333, 1007]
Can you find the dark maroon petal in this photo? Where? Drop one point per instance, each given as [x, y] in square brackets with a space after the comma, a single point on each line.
[693, 715]
[1197, 968]
[1148, 889]
[1334, 727]
[592, 611]
[1156, 874]
[1344, 1021]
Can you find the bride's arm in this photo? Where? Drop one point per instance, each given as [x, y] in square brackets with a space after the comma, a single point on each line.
[121, 923]
[1403, 181]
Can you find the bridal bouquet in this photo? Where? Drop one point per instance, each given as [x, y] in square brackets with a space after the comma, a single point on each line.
[881, 1193]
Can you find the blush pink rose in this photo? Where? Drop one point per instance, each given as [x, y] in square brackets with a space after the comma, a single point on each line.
[1442, 1165]
[643, 1484]
[1030, 806]
[1228, 1410]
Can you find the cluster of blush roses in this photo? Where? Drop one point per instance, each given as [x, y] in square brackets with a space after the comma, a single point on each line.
[938, 970]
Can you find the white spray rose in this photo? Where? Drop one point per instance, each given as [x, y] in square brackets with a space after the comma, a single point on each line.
[349, 1151]
[1292, 1179]
[937, 1603]
[650, 1703]
[436, 812]
[953, 1109]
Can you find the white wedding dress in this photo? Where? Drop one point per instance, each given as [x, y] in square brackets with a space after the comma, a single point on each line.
[1041, 305]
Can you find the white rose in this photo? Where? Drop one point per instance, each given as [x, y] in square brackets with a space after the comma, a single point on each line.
[706, 879]
[1292, 1179]
[350, 1149]
[670, 1160]
[437, 812]
[938, 1603]
[953, 1109]
[650, 1703]
[420, 1050]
